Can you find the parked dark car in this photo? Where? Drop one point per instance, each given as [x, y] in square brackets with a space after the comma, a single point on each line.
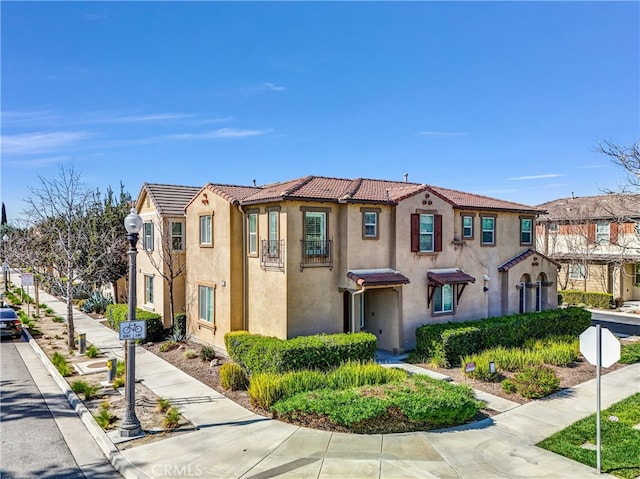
[10, 324]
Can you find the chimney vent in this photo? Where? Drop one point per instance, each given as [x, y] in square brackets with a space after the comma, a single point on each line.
[406, 177]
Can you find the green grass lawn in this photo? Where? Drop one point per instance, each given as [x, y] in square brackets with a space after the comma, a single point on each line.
[620, 440]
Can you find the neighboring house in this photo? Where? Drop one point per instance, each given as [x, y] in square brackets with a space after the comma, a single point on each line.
[328, 255]
[162, 247]
[597, 241]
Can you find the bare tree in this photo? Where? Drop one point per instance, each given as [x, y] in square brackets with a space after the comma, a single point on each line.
[60, 213]
[169, 262]
[627, 157]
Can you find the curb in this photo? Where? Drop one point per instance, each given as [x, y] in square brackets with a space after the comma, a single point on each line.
[111, 452]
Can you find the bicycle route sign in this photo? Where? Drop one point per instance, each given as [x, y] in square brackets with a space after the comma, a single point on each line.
[133, 330]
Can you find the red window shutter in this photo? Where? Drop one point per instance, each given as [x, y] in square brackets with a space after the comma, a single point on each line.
[415, 232]
[614, 228]
[591, 233]
[437, 232]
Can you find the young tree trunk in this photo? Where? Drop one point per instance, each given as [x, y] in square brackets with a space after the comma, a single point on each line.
[71, 329]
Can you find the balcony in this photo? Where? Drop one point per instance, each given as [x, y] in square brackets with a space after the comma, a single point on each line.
[272, 257]
[316, 253]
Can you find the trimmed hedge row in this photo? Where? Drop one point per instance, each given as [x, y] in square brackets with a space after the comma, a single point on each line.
[116, 313]
[594, 300]
[448, 342]
[264, 354]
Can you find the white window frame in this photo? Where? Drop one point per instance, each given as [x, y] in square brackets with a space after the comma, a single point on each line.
[465, 226]
[370, 220]
[206, 230]
[577, 272]
[439, 295]
[427, 233]
[148, 289]
[603, 232]
[252, 233]
[206, 301]
[174, 236]
[524, 231]
[273, 220]
[491, 230]
[147, 235]
[317, 234]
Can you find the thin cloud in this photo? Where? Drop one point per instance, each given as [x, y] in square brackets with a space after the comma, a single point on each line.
[219, 134]
[442, 134]
[535, 177]
[271, 87]
[40, 142]
[147, 118]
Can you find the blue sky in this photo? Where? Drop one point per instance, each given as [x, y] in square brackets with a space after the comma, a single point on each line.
[505, 99]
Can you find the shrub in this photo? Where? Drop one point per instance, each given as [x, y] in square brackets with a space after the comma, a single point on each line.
[95, 303]
[630, 353]
[88, 390]
[104, 418]
[449, 341]
[168, 345]
[354, 374]
[536, 382]
[508, 386]
[163, 404]
[233, 377]
[60, 362]
[591, 299]
[207, 353]
[118, 382]
[92, 351]
[58, 319]
[265, 389]
[256, 353]
[190, 354]
[171, 418]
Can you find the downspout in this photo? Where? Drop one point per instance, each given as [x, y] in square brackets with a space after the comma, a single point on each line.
[244, 267]
[353, 307]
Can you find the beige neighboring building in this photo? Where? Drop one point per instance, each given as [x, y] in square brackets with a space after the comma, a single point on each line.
[597, 241]
[330, 255]
[161, 247]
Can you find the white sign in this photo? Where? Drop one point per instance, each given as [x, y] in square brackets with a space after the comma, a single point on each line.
[5, 267]
[609, 347]
[26, 279]
[133, 330]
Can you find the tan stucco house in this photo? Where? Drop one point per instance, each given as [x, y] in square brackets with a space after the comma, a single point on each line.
[327, 255]
[596, 239]
[162, 247]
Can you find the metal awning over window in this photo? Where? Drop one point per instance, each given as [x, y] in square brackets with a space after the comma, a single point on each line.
[377, 277]
[453, 276]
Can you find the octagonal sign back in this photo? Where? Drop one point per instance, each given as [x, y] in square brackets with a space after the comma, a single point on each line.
[609, 346]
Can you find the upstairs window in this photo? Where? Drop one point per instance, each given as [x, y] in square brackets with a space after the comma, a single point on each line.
[369, 224]
[426, 233]
[315, 234]
[488, 230]
[147, 236]
[603, 232]
[252, 237]
[177, 236]
[273, 217]
[553, 227]
[526, 231]
[636, 281]
[205, 230]
[467, 227]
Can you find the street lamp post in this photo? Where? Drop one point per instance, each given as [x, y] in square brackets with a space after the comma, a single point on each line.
[5, 266]
[130, 426]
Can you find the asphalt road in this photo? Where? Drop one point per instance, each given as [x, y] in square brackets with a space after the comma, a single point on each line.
[621, 326]
[34, 429]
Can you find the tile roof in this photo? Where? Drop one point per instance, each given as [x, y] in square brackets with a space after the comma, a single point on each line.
[460, 199]
[507, 265]
[611, 206]
[377, 278]
[449, 277]
[169, 200]
[359, 190]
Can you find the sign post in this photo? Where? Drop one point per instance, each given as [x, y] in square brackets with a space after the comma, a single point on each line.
[600, 347]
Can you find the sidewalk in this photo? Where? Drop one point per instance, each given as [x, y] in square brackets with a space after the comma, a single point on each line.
[232, 442]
